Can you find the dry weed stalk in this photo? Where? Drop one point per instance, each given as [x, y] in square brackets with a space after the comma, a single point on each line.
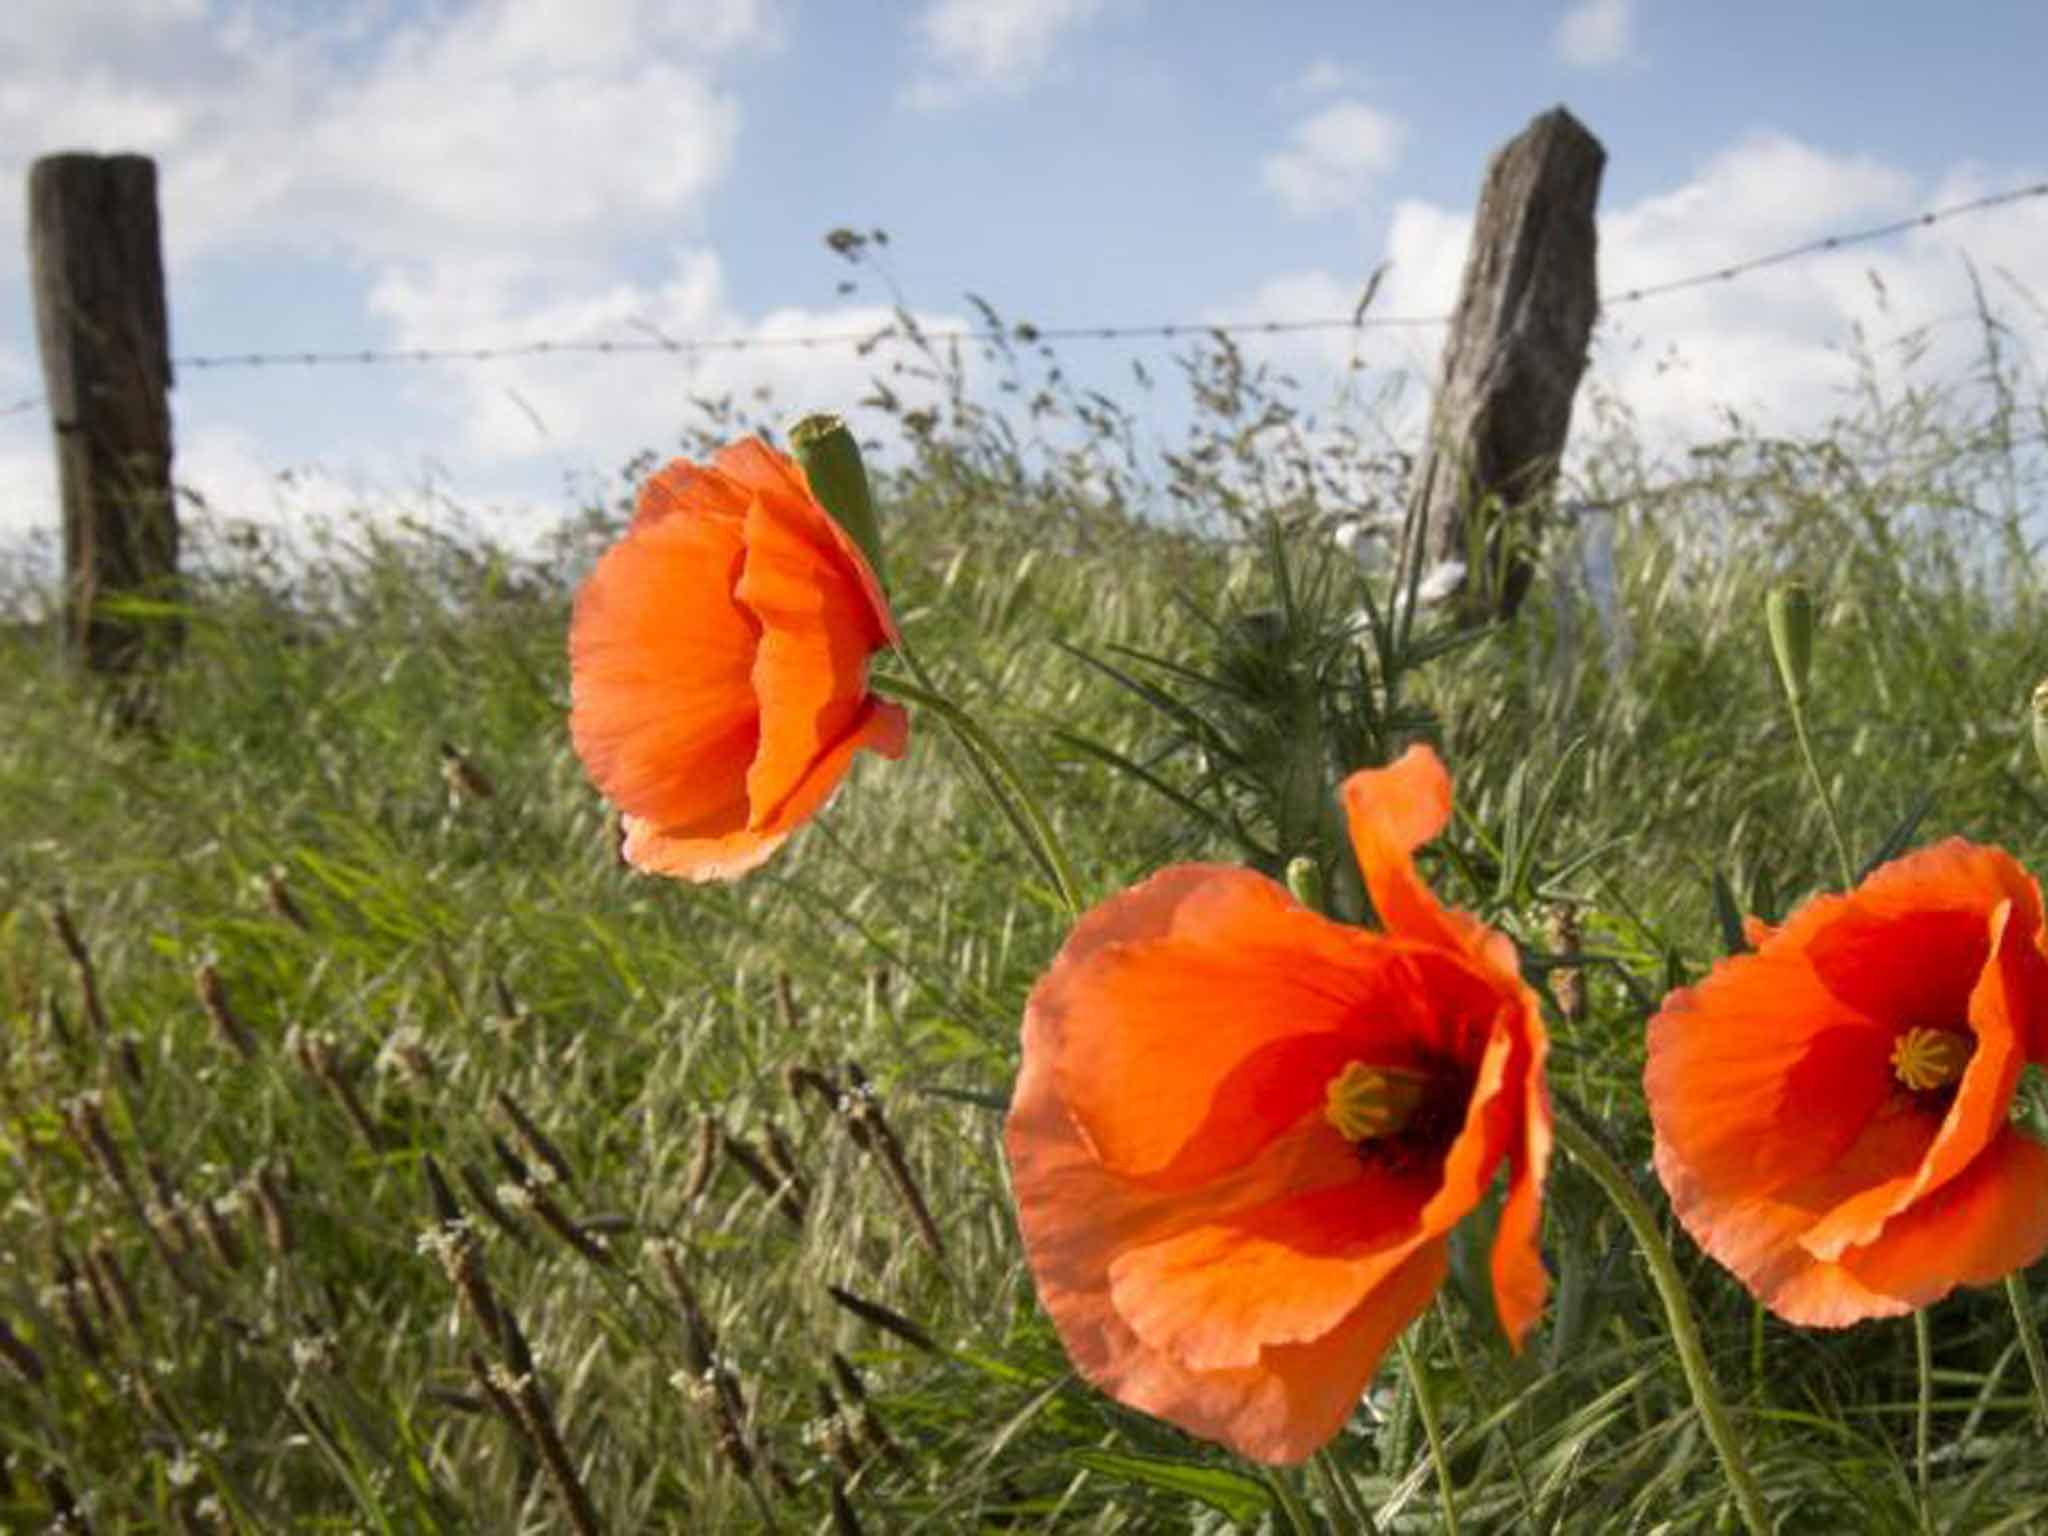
[316, 1053]
[487, 1201]
[464, 779]
[855, 1392]
[102, 1263]
[81, 957]
[518, 1382]
[536, 1142]
[267, 1190]
[26, 1362]
[844, 1522]
[708, 1383]
[455, 1244]
[884, 1318]
[278, 897]
[534, 1193]
[782, 1194]
[704, 1164]
[870, 1129]
[213, 998]
[1567, 983]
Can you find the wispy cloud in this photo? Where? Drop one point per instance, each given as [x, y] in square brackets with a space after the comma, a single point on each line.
[978, 48]
[1333, 157]
[1596, 33]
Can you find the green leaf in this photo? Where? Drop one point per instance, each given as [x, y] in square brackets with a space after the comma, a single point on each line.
[1729, 916]
[1895, 840]
[1231, 1493]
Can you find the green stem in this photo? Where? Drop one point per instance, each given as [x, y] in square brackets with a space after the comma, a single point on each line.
[1923, 1414]
[1578, 1139]
[1347, 1516]
[1425, 1403]
[2030, 1340]
[1820, 788]
[998, 774]
[1294, 1514]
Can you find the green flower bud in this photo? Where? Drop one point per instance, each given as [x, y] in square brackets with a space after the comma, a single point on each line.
[830, 459]
[1305, 881]
[1789, 611]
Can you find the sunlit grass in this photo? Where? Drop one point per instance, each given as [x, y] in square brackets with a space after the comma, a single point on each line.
[234, 1306]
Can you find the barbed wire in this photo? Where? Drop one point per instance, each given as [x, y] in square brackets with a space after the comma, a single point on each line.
[1029, 334]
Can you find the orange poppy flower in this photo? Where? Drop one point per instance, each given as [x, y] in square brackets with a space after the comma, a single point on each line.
[718, 664]
[1241, 1131]
[1832, 1110]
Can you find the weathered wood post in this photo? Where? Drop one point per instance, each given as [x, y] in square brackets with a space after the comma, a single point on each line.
[96, 268]
[1512, 362]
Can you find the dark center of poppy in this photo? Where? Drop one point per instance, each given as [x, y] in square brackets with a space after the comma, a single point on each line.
[1927, 1059]
[1365, 1103]
[1402, 1113]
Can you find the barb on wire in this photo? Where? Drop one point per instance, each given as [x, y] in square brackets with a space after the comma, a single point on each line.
[1026, 334]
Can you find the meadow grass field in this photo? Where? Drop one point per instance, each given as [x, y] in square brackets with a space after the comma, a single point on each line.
[379, 1154]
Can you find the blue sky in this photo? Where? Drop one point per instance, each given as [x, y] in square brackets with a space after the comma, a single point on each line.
[390, 173]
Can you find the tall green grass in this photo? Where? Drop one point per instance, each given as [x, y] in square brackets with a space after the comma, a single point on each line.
[233, 1302]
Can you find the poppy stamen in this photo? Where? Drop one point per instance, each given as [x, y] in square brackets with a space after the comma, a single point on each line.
[1365, 1103]
[1925, 1059]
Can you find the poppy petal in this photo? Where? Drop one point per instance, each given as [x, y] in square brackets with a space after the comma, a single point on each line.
[1759, 1077]
[663, 712]
[1298, 1395]
[1187, 1047]
[1214, 1296]
[1977, 1228]
[1979, 1110]
[726, 854]
[1521, 1285]
[817, 633]
[697, 490]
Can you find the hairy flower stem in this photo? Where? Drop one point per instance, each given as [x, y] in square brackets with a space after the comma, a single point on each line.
[1294, 1516]
[2030, 1340]
[1820, 789]
[1923, 1412]
[1432, 1427]
[1346, 1517]
[998, 775]
[1577, 1139]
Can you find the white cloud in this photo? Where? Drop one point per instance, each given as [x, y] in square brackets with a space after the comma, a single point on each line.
[588, 414]
[1324, 76]
[989, 47]
[491, 124]
[1596, 33]
[1333, 157]
[1775, 344]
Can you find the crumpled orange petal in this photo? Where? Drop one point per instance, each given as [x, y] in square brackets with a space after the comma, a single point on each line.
[1791, 1151]
[1211, 1249]
[718, 664]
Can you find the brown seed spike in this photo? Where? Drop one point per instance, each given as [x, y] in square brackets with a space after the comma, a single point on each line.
[278, 897]
[213, 997]
[704, 1164]
[883, 1318]
[18, 1354]
[536, 1142]
[781, 1193]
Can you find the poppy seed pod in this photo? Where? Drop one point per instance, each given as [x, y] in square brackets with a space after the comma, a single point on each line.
[1789, 612]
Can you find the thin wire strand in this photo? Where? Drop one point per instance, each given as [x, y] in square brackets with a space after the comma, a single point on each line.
[1028, 335]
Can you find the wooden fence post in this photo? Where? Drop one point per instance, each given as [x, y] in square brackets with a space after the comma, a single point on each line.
[96, 268]
[1512, 362]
